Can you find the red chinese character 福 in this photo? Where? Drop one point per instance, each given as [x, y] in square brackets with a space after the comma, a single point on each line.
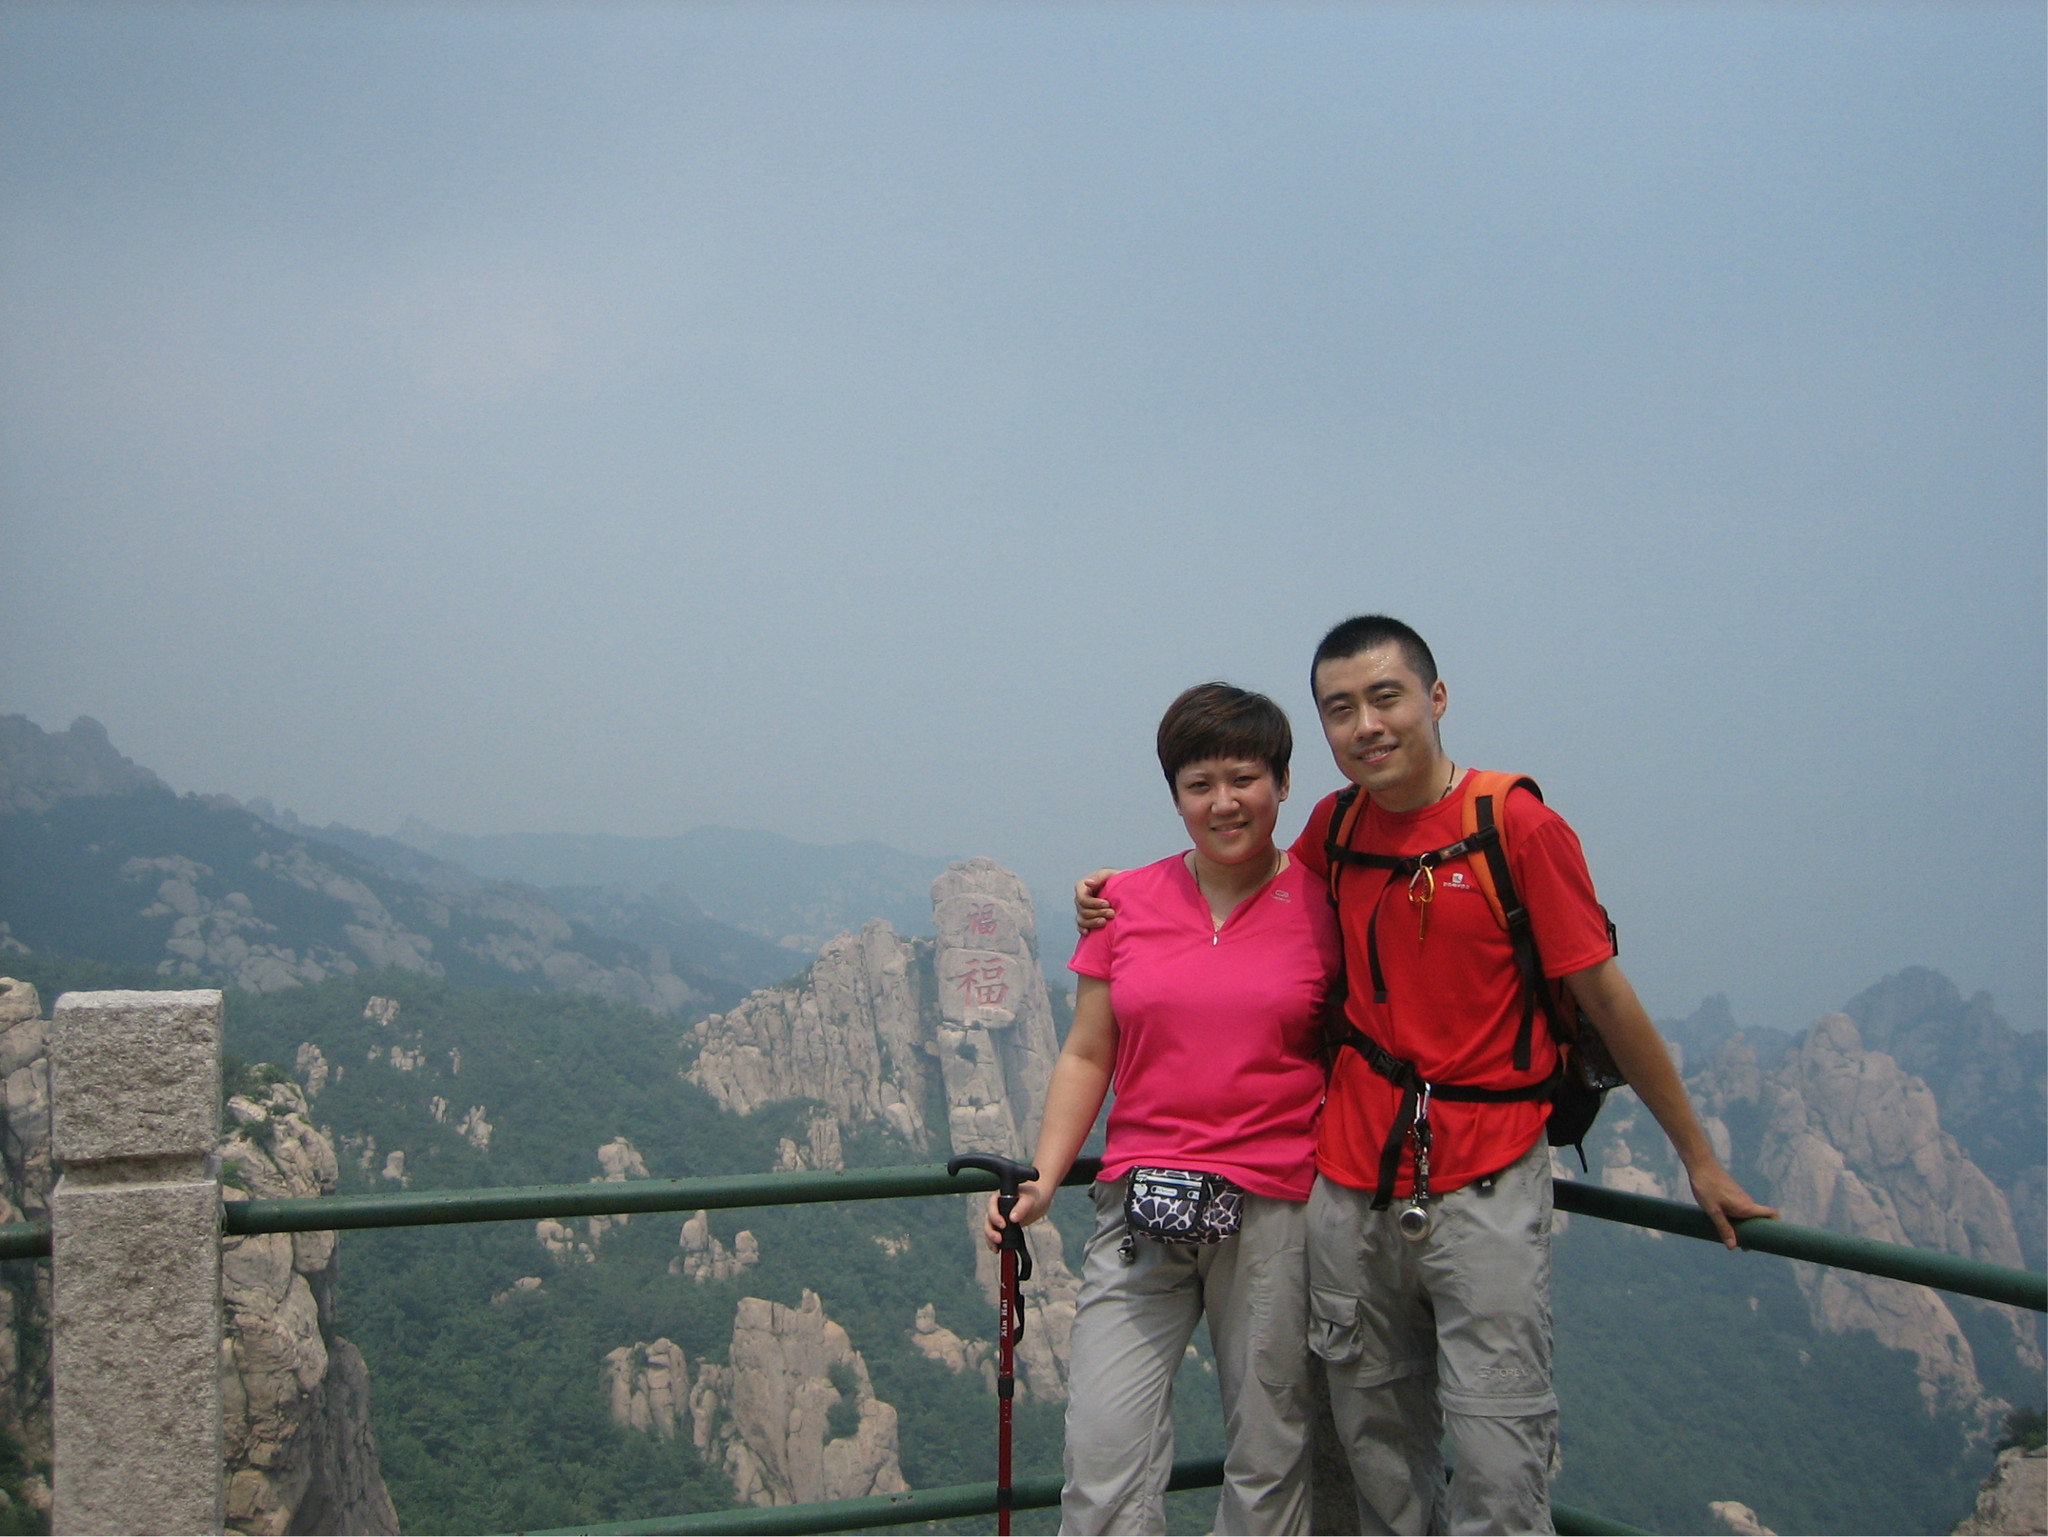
[982, 982]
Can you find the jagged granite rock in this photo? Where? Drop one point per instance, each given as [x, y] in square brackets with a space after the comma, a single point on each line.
[704, 1258]
[39, 769]
[821, 1148]
[1851, 1142]
[26, 1176]
[996, 1047]
[1738, 1518]
[767, 1416]
[649, 1387]
[2014, 1498]
[1990, 1081]
[299, 1455]
[936, 1342]
[996, 1042]
[1886, 1125]
[848, 1037]
[859, 1033]
[297, 1443]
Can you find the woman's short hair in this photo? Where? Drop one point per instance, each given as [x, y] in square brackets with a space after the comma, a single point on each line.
[1216, 720]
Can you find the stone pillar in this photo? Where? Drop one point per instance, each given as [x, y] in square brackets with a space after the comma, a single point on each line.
[135, 1262]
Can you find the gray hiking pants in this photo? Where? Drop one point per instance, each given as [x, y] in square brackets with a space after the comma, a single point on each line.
[1449, 1337]
[1131, 1331]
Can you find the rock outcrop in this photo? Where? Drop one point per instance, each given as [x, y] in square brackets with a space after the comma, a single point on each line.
[2014, 1498]
[25, 1298]
[1738, 1518]
[996, 1047]
[861, 1035]
[1850, 1141]
[39, 769]
[792, 1417]
[649, 1387]
[300, 1457]
[704, 1258]
[296, 1396]
[936, 1342]
[849, 1037]
[1990, 1080]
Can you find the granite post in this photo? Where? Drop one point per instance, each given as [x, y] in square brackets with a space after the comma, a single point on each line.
[135, 1262]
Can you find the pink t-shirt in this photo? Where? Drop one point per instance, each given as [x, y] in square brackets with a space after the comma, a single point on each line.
[1217, 1065]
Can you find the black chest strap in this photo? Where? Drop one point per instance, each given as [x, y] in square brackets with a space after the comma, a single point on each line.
[1482, 843]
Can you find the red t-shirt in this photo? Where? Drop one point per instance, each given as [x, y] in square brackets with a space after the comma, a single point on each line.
[1218, 1030]
[1454, 998]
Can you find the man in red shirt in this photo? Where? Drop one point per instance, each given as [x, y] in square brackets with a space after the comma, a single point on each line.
[1446, 1335]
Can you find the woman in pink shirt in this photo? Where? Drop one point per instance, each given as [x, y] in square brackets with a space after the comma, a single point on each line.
[1201, 1004]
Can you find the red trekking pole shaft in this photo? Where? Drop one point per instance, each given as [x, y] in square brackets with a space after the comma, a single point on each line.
[1016, 1269]
[1006, 1365]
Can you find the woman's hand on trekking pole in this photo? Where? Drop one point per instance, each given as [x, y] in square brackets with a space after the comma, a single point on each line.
[1032, 1203]
[1091, 912]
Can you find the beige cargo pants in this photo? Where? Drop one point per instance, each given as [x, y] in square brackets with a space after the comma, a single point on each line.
[1131, 1331]
[1448, 1338]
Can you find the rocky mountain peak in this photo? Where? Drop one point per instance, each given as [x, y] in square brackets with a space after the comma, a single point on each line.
[39, 768]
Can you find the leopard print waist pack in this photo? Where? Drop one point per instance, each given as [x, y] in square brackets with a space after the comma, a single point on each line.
[1182, 1206]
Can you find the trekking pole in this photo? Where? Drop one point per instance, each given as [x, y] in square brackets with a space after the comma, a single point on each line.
[1010, 1310]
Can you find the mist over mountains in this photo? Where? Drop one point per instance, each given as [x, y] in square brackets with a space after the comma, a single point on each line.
[796, 894]
[100, 858]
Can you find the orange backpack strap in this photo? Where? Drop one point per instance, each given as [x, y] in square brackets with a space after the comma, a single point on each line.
[1337, 836]
[1486, 795]
[1491, 787]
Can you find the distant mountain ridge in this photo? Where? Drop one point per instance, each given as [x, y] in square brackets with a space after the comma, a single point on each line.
[99, 859]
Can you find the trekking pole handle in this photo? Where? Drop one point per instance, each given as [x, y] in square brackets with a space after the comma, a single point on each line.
[1009, 1175]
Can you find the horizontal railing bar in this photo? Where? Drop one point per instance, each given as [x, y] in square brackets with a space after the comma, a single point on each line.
[878, 1509]
[1925, 1267]
[1571, 1521]
[953, 1503]
[607, 1199]
[1769, 1235]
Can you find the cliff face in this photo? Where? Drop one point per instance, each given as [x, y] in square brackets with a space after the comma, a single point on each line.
[850, 1038]
[38, 768]
[1990, 1081]
[792, 1416]
[25, 1299]
[1848, 1140]
[300, 1457]
[297, 1443]
[877, 1020]
[996, 1047]
[2014, 1498]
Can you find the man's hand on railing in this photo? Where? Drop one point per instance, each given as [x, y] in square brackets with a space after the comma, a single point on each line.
[1725, 1201]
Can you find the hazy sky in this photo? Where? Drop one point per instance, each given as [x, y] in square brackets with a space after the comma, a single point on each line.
[859, 421]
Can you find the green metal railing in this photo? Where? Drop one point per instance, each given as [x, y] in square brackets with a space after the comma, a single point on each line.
[918, 1505]
[1925, 1267]
[1949, 1272]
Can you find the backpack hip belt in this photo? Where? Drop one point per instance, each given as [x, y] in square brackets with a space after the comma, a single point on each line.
[1413, 1115]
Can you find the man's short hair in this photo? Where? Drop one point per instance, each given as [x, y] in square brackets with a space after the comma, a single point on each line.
[1369, 632]
[1216, 720]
